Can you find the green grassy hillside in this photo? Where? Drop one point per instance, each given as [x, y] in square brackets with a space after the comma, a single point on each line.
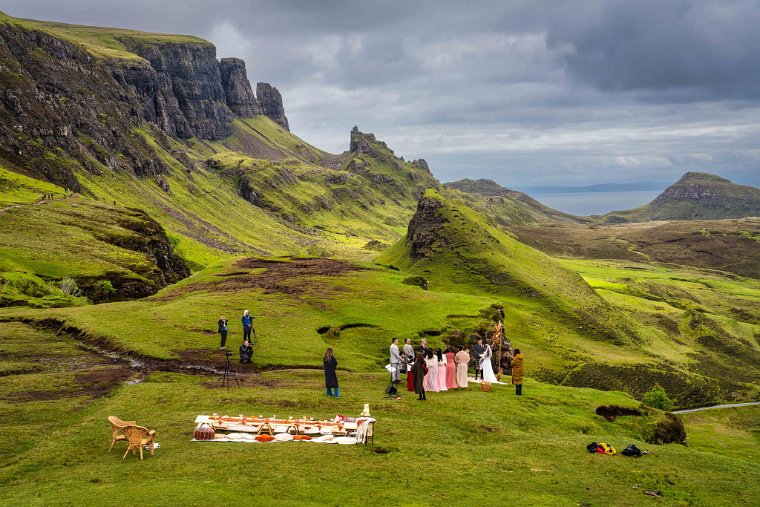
[698, 196]
[110, 253]
[216, 203]
[508, 207]
[99, 41]
[455, 247]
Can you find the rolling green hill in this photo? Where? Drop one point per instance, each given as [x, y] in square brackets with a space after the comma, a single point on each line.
[696, 196]
[455, 247]
[508, 207]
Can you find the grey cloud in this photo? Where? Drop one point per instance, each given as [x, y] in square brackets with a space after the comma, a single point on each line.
[524, 92]
[702, 49]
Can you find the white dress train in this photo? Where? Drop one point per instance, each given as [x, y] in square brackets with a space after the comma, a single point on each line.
[485, 364]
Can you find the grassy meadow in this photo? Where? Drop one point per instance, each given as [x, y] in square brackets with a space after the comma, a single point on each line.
[529, 449]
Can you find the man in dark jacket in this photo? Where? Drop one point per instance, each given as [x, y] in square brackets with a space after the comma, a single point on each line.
[246, 352]
[423, 348]
[477, 351]
[222, 322]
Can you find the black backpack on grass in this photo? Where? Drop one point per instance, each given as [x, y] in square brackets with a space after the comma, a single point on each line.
[632, 450]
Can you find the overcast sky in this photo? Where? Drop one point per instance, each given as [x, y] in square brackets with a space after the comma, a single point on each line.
[523, 92]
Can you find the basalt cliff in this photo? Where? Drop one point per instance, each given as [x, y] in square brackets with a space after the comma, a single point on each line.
[57, 97]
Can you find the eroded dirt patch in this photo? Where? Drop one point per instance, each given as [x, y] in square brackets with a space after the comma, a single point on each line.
[612, 412]
[297, 277]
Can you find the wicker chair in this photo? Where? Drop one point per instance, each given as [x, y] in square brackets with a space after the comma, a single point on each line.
[138, 437]
[117, 430]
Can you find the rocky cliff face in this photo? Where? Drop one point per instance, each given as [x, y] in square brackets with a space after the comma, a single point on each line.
[63, 110]
[271, 104]
[424, 229]
[237, 89]
[60, 110]
[188, 75]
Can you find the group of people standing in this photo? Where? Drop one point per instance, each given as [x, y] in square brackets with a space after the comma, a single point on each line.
[430, 370]
[246, 348]
[434, 370]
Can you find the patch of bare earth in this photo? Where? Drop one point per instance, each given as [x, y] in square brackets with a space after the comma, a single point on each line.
[297, 277]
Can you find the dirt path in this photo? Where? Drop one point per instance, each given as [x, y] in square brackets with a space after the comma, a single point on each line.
[715, 407]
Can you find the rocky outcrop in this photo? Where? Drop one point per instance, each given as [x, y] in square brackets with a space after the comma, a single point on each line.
[421, 164]
[188, 74]
[424, 228]
[363, 143]
[65, 111]
[271, 104]
[62, 111]
[237, 89]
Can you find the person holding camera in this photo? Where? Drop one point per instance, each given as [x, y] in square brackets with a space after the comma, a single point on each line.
[222, 323]
[246, 352]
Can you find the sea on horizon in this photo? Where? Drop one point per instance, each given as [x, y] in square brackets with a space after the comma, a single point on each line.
[596, 203]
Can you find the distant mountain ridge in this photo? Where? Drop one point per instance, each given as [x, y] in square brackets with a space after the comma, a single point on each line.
[599, 187]
[696, 196]
[506, 206]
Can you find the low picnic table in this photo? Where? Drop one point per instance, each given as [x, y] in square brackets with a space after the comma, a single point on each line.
[269, 425]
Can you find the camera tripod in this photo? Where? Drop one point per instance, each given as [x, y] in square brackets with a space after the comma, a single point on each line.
[229, 373]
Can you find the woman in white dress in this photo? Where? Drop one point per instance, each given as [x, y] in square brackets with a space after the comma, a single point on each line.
[485, 365]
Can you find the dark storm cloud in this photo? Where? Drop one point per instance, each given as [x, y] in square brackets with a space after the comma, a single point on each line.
[523, 92]
[700, 48]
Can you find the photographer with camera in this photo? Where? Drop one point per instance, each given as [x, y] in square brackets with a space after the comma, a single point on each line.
[222, 329]
[246, 352]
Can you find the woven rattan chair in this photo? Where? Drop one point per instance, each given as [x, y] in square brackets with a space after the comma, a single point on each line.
[117, 427]
[138, 437]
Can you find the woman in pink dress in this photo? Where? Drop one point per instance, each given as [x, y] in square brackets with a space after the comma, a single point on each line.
[441, 371]
[451, 370]
[431, 378]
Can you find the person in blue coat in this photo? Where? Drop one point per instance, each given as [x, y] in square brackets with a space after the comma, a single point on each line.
[247, 326]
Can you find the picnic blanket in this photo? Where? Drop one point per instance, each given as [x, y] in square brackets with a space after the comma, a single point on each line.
[340, 430]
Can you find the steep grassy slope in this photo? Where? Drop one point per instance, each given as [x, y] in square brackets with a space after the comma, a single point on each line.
[698, 196]
[16, 189]
[101, 42]
[508, 207]
[111, 253]
[700, 321]
[456, 247]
